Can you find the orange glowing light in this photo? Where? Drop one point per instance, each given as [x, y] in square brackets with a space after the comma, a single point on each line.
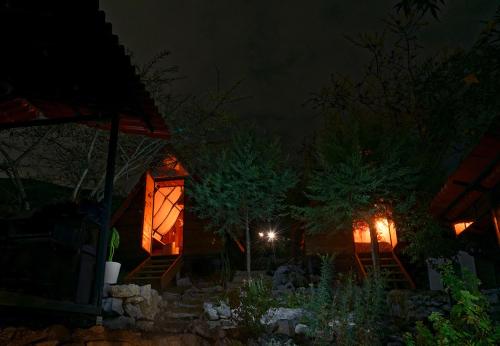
[461, 226]
[386, 232]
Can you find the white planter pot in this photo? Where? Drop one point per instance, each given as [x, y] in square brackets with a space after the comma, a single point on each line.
[111, 272]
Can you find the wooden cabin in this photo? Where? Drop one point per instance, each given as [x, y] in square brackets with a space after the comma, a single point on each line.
[61, 63]
[352, 249]
[158, 233]
[469, 204]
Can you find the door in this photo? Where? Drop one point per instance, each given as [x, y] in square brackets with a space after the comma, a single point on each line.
[147, 226]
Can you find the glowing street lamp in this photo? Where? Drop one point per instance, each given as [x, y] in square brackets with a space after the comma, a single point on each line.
[261, 234]
[271, 235]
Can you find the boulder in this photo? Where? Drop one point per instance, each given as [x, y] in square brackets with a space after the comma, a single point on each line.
[124, 291]
[150, 309]
[210, 311]
[170, 296]
[288, 277]
[301, 329]
[134, 300]
[121, 322]
[273, 315]
[285, 327]
[184, 282]
[223, 310]
[145, 292]
[133, 310]
[113, 305]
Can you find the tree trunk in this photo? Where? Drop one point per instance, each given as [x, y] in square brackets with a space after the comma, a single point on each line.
[247, 245]
[375, 249]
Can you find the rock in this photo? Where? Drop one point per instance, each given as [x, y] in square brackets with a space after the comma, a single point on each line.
[145, 292]
[146, 326]
[273, 315]
[184, 282]
[211, 289]
[223, 310]
[289, 277]
[285, 327]
[182, 315]
[301, 329]
[169, 296]
[151, 309]
[113, 305]
[121, 322]
[124, 291]
[135, 300]
[134, 311]
[210, 311]
[200, 328]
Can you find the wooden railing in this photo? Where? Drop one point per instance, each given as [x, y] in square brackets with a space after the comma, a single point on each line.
[360, 265]
[169, 274]
[137, 269]
[403, 270]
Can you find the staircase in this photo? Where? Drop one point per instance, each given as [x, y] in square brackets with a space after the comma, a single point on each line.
[158, 271]
[393, 271]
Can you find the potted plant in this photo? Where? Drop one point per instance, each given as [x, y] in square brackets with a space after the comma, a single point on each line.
[112, 268]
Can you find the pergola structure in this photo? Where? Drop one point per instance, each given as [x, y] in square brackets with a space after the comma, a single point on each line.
[61, 63]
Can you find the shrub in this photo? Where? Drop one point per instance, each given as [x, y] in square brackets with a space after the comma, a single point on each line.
[468, 322]
[255, 299]
[349, 314]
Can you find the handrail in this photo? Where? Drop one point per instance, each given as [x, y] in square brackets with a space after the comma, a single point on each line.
[403, 270]
[137, 269]
[168, 275]
[360, 265]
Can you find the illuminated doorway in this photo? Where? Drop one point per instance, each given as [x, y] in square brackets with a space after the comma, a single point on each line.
[162, 232]
[386, 235]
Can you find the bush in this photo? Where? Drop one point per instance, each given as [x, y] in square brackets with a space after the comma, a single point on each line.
[255, 299]
[468, 322]
[348, 314]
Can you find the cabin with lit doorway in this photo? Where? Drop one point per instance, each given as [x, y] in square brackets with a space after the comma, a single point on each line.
[352, 250]
[158, 233]
[468, 204]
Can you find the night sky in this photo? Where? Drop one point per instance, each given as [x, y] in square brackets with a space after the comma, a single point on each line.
[284, 50]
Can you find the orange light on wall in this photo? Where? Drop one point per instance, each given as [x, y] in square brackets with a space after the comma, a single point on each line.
[386, 232]
[461, 226]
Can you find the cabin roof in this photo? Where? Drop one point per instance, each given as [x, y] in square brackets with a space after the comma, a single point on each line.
[478, 172]
[61, 62]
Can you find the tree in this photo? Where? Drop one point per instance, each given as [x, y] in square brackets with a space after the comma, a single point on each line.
[363, 170]
[442, 104]
[246, 183]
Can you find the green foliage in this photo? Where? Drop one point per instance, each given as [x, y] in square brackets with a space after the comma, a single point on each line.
[255, 299]
[247, 180]
[114, 242]
[392, 136]
[349, 314]
[363, 168]
[468, 322]
[359, 312]
[320, 307]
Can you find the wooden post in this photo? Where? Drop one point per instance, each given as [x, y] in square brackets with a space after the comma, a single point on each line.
[374, 246]
[106, 213]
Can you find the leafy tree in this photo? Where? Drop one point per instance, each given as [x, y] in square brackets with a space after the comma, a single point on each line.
[441, 104]
[363, 171]
[246, 183]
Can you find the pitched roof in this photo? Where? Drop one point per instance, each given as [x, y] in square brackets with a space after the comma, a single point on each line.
[61, 61]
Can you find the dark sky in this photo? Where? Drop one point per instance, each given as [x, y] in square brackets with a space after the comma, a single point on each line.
[282, 49]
